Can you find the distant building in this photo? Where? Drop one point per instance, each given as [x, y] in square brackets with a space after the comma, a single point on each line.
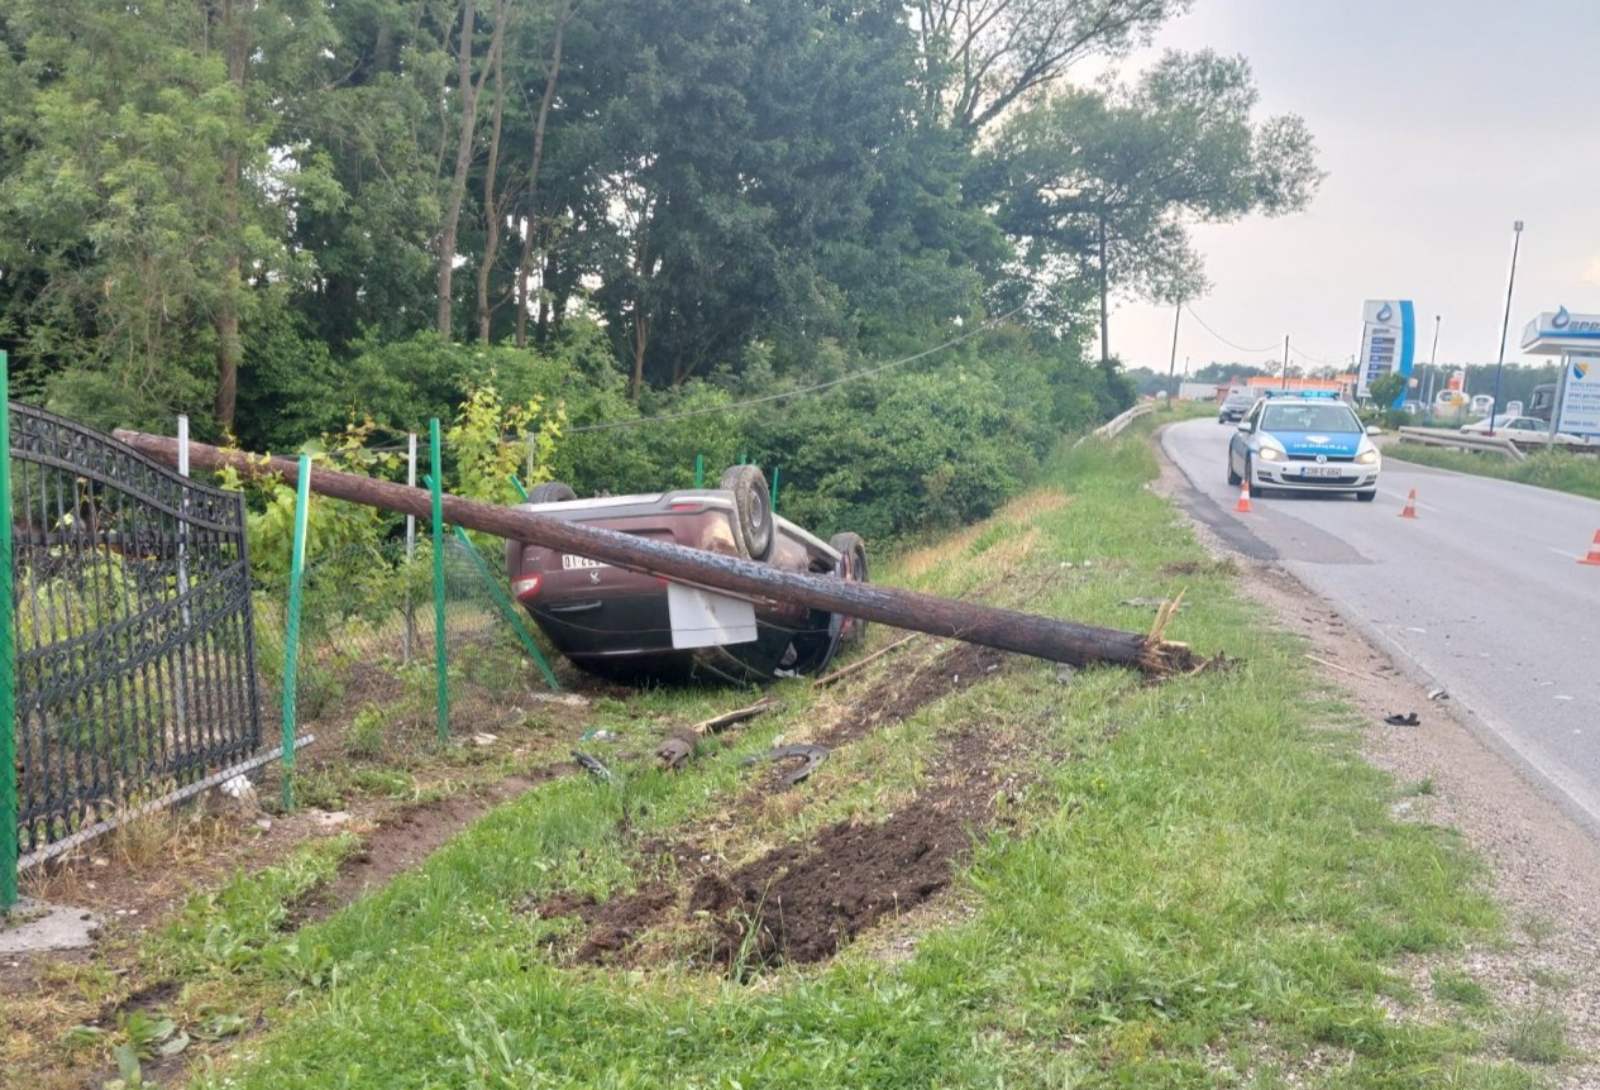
[1197, 391]
[1344, 385]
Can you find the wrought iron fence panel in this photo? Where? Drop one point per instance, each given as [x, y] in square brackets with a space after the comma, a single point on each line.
[135, 653]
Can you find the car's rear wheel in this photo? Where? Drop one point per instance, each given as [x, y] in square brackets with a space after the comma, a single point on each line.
[752, 510]
[552, 492]
[549, 492]
[853, 568]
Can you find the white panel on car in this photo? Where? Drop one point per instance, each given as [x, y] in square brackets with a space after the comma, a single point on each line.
[701, 618]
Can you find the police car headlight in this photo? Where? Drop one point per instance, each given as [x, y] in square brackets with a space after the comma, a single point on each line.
[1367, 457]
[1272, 454]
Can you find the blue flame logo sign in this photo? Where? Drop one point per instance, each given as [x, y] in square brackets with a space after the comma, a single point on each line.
[1385, 313]
[1561, 320]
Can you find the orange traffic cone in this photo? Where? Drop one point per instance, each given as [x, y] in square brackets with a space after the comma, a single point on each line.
[1410, 510]
[1244, 498]
[1594, 552]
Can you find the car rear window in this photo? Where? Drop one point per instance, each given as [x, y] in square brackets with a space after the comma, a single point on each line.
[1332, 417]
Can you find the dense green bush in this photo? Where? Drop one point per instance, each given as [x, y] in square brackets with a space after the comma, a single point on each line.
[939, 442]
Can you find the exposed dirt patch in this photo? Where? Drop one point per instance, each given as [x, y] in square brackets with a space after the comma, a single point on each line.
[613, 924]
[898, 695]
[803, 902]
[403, 840]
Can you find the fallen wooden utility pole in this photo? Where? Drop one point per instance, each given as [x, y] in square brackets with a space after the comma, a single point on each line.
[1005, 629]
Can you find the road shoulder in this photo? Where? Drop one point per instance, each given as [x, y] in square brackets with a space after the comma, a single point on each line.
[1543, 866]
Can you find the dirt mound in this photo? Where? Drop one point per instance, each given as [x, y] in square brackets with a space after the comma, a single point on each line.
[802, 903]
[898, 696]
[614, 924]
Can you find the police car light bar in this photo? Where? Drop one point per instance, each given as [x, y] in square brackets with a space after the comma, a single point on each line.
[1330, 395]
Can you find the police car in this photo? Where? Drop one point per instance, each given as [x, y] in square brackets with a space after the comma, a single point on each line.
[1304, 442]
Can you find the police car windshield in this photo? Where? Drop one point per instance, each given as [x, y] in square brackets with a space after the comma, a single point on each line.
[1334, 417]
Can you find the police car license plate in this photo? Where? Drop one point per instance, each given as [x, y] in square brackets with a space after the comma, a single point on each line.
[568, 561]
[1320, 471]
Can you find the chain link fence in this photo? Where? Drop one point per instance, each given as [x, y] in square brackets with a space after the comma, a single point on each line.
[367, 675]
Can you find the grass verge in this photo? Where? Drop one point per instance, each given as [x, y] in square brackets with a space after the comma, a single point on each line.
[1203, 885]
[1578, 474]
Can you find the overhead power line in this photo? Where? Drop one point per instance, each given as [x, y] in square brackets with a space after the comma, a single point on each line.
[1273, 348]
[1312, 358]
[709, 410]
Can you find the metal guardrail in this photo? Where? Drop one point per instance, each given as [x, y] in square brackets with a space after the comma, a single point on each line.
[1513, 446]
[1461, 440]
[1113, 427]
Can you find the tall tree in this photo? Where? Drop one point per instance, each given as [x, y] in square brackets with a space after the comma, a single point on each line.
[147, 204]
[531, 227]
[1105, 185]
[978, 57]
[493, 207]
[232, 26]
[469, 90]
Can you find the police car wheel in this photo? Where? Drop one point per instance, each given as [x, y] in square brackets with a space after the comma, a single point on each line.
[1233, 478]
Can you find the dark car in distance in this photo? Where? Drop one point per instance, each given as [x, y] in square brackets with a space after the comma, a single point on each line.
[1235, 405]
[628, 625]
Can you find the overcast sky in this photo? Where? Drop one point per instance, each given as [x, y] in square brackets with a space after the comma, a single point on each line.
[1439, 122]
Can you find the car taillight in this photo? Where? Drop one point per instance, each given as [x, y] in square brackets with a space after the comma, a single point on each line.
[525, 587]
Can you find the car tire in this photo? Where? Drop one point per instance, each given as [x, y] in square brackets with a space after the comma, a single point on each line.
[1256, 492]
[552, 492]
[549, 492]
[1233, 478]
[752, 510]
[1367, 497]
[853, 569]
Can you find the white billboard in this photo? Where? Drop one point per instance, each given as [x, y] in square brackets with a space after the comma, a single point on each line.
[1578, 410]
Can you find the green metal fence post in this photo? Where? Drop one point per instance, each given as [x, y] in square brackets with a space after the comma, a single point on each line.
[434, 479]
[775, 471]
[8, 722]
[699, 470]
[291, 634]
[516, 482]
[503, 600]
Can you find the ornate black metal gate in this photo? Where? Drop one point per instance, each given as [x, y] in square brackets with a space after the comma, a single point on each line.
[135, 651]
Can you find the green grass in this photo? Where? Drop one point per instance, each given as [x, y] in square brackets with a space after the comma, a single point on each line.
[229, 927]
[1575, 473]
[1457, 987]
[1539, 1036]
[1205, 889]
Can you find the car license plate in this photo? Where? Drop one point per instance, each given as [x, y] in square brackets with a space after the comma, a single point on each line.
[1321, 471]
[569, 562]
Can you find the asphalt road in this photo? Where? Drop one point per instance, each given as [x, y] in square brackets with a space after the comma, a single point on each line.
[1482, 593]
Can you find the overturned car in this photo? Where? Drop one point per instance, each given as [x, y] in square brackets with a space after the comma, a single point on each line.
[627, 625]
